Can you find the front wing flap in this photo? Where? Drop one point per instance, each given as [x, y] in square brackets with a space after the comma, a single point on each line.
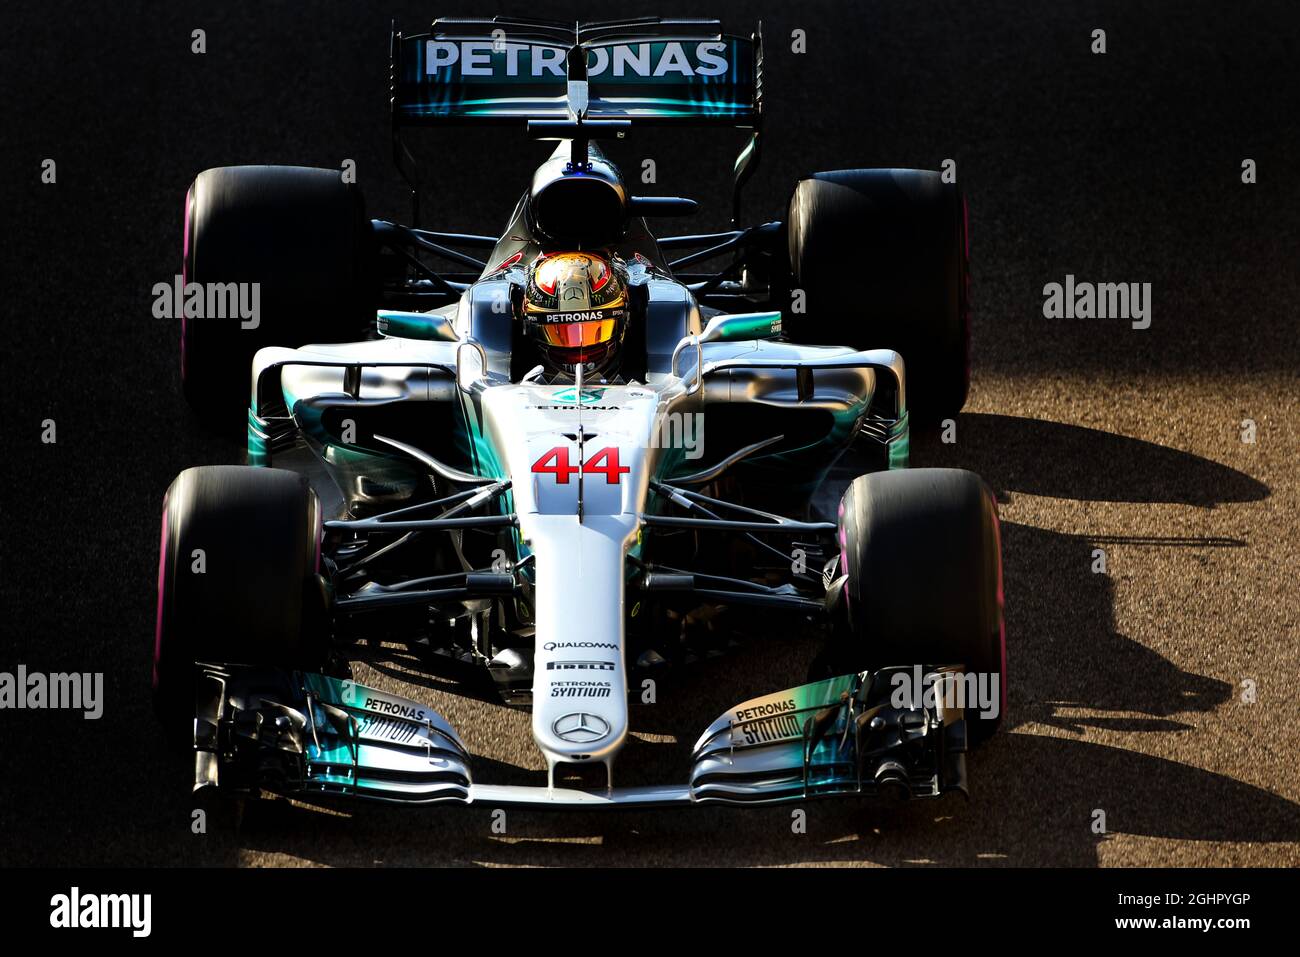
[296, 733]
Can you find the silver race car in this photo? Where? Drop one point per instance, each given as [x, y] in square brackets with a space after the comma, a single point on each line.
[541, 469]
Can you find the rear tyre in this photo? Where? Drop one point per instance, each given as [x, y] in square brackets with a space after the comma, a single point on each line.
[881, 258]
[921, 551]
[237, 579]
[302, 236]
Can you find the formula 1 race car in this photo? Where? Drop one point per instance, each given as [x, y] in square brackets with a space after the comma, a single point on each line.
[505, 469]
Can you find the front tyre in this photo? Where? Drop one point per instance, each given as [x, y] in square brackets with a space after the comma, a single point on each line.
[238, 579]
[922, 555]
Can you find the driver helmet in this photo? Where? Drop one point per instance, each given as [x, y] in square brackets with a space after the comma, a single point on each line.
[575, 310]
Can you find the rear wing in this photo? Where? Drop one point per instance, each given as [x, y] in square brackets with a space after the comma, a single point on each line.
[647, 71]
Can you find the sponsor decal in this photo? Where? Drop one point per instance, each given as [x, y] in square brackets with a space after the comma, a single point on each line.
[395, 708]
[479, 58]
[576, 408]
[553, 645]
[766, 730]
[589, 396]
[569, 400]
[580, 666]
[768, 722]
[390, 729]
[591, 315]
[580, 689]
[580, 728]
[767, 708]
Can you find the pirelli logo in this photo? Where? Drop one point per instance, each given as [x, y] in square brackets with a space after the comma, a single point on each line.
[580, 666]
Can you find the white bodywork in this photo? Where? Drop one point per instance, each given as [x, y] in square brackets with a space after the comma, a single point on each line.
[578, 526]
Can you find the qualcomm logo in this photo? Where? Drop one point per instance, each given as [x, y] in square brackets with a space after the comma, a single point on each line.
[580, 728]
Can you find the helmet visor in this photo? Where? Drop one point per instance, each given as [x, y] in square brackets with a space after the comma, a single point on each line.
[575, 335]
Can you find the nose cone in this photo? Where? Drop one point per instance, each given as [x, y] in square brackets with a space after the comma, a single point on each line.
[578, 520]
[579, 678]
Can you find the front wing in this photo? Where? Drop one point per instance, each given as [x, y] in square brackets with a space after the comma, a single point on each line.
[308, 734]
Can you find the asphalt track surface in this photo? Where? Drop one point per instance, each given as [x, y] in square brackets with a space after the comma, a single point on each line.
[1126, 688]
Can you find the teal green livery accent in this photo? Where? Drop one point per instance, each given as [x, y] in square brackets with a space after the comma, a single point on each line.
[487, 462]
[827, 761]
[474, 444]
[259, 451]
[900, 443]
[744, 328]
[310, 422]
[415, 325]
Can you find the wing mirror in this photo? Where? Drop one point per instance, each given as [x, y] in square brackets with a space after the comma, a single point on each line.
[415, 325]
[737, 327]
[741, 326]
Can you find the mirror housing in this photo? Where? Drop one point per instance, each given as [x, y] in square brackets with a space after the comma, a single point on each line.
[741, 326]
[737, 327]
[429, 327]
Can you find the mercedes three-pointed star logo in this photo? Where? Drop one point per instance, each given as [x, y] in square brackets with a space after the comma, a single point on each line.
[580, 728]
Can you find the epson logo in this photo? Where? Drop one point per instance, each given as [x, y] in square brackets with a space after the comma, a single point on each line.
[487, 58]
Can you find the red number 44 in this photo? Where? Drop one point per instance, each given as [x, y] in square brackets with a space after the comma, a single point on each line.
[605, 462]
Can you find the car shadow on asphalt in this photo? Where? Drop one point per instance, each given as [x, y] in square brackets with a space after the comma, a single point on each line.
[1054, 459]
[1065, 654]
